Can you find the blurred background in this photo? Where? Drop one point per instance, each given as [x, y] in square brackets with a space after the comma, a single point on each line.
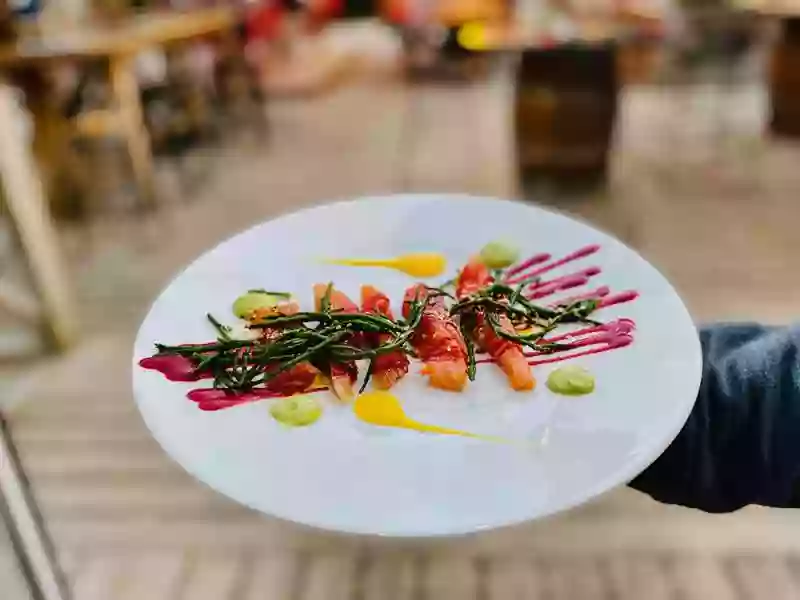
[137, 134]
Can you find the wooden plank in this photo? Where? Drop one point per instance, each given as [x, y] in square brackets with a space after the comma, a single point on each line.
[516, 578]
[633, 577]
[329, 577]
[14, 584]
[563, 539]
[154, 576]
[97, 578]
[19, 302]
[764, 577]
[567, 580]
[272, 577]
[212, 577]
[448, 578]
[44, 462]
[389, 574]
[118, 498]
[703, 577]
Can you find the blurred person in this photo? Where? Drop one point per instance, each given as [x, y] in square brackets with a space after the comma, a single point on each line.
[310, 16]
[264, 28]
[741, 443]
[419, 33]
[321, 12]
[268, 35]
[273, 27]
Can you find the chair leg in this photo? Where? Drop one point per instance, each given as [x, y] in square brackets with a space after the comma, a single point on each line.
[239, 87]
[27, 529]
[127, 97]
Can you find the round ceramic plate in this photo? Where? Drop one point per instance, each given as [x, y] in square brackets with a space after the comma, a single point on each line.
[342, 474]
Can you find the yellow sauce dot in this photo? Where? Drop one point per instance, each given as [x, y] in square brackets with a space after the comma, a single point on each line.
[384, 410]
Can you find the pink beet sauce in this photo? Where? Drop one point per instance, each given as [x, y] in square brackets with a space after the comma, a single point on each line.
[174, 367]
[524, 274]
[597, 294]
[583, 342]
[211, 399]
[547, 288]
[601, 338]
[528, 263]
[179, 368]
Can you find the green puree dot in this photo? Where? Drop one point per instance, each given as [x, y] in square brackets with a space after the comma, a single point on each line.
[497, 255]
[252, 301]
[296, 411]
[571, 381]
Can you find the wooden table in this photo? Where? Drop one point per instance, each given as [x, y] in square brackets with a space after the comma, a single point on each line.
[118, 44]
[22, 188]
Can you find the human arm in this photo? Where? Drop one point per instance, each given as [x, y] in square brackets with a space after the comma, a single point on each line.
[741, 443]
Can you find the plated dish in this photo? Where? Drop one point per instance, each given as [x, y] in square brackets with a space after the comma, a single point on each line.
[494, 311]
[492, 364]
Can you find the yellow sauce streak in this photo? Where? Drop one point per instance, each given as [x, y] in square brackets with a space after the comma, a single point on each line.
[384, 410]
[422, 265]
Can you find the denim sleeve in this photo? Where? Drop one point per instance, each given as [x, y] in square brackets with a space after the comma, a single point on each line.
[741, 443]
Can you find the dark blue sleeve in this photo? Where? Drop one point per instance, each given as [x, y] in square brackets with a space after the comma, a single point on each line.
[741, 444]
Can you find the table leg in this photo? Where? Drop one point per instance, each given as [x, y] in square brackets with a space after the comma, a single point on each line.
[27, 207]
[125, 89]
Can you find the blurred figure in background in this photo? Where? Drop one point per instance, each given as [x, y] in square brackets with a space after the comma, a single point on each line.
[264, 20]
[321, 12]
[414, 21]
[279, 34]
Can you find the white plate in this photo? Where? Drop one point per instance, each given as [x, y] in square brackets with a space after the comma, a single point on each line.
[340, 474]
